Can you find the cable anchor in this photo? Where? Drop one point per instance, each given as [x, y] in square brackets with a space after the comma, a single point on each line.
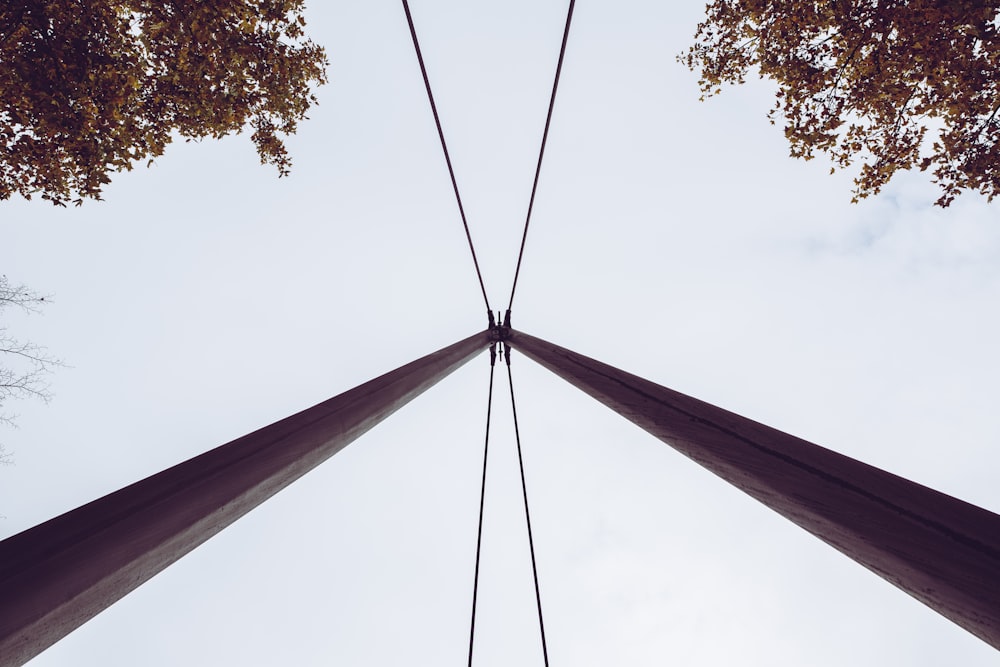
[499, 332]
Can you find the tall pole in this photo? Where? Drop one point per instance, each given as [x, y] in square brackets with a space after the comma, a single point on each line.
[941, 550]
[56, 576]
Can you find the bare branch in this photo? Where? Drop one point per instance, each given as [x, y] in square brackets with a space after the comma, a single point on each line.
[30, 352]
[21, 296]
[24, 366]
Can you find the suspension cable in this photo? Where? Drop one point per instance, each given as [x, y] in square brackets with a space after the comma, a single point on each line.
[541, 152]
[482, 503]
[527, 512]
[444, 147]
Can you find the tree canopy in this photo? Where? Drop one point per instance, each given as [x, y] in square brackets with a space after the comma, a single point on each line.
[90, 87]
[869, 80]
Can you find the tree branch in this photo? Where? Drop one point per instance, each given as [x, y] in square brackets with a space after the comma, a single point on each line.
[20, 296]
[26, 376]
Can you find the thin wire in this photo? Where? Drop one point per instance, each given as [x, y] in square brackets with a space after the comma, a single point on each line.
[482, 502]
[541, 152]
[527, 513]
[444, 147]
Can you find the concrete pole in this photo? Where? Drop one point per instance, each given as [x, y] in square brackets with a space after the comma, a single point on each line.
[56, 576]
[941, 550]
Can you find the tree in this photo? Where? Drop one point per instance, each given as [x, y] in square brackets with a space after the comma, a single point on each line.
[25, 365]
[90, 87]
[867, 80]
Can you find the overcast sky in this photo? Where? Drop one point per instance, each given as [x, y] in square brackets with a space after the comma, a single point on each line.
[674, 239]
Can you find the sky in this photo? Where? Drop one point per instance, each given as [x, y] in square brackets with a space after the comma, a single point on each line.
[672, 238]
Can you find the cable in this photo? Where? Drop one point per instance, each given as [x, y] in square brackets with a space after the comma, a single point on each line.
[541, 152]
[527, 512]
[444, 147]
[482, 503]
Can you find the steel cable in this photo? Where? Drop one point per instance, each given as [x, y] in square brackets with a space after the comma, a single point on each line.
[482, 504]
[444, 148]
[527, 512]
[541, 151]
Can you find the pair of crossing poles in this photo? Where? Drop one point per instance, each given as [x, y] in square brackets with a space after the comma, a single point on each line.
[58, 575]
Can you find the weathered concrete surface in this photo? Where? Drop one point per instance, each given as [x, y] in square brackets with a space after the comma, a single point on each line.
[56, 576]
[941, 550]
